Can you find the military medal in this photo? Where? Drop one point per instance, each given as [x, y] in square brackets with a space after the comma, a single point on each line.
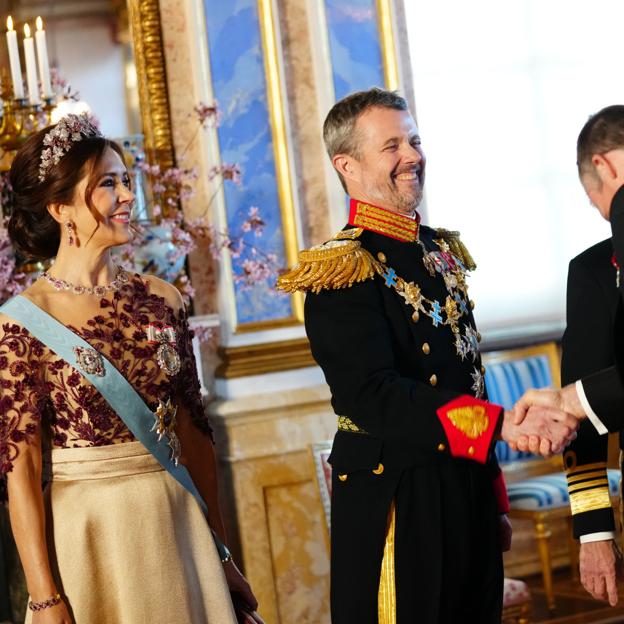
[164, 426]
[478, 385]
[89, 361]
[166, 354]
[471, 339]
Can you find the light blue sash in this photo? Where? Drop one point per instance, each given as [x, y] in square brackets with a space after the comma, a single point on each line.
[113, 386]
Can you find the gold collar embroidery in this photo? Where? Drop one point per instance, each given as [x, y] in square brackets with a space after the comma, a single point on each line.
[382, 221]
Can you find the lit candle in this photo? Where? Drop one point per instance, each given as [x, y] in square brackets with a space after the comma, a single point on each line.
[42, 57]
[31, 67]
[16, 68]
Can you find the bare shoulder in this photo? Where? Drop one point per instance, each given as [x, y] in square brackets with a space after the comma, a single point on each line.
[165, 290]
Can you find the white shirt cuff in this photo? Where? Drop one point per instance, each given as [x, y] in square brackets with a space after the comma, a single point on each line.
[598, 537]
[600, 428]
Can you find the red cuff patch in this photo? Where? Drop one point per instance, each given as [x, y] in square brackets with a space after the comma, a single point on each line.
[500, 492]
[469, 424]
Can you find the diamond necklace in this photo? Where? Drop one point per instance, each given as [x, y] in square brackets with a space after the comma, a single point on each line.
[77, 289]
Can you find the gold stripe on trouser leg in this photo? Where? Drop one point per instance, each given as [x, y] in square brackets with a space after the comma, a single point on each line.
[621, 505]
[387, 586]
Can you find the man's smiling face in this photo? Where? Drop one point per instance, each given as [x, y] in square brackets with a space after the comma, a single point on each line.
[389, 169]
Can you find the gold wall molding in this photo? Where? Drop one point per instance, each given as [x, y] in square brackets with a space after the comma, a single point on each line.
[388, 46]
[144, 17]
[269, 357]
[277, 115]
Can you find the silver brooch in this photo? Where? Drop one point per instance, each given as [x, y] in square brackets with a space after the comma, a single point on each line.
[166, 355]
[90, 361]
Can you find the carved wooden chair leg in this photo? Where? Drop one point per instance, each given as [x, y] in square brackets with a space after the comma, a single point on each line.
[573, 547]
[543, 534]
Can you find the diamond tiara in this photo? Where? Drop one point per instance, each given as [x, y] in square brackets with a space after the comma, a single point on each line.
[69, 130]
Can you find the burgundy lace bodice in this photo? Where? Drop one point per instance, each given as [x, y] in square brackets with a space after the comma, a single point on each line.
[41, 391]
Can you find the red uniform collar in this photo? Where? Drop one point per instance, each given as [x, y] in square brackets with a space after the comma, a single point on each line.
[384, 221]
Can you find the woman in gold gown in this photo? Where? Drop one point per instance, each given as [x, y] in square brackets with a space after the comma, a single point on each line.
[113, 538]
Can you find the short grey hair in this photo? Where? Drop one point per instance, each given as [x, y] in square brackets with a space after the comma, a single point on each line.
[339, 127]
[603, 132]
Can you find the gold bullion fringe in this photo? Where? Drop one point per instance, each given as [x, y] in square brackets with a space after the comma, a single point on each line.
[457, 248]
[386, 600]
[335, 264]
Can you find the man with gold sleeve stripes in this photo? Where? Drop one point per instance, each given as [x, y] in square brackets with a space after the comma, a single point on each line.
[418, 500]
[592, 298]
[593, 354]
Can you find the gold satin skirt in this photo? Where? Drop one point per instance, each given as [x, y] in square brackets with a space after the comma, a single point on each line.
[127, 543]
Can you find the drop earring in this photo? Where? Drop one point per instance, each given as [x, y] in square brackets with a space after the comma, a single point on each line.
[70, 232]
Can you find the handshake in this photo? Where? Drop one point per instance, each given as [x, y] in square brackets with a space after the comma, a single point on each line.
[543, 421]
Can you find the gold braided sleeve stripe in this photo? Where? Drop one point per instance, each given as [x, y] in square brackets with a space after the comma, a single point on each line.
[586, 467]
[587, 476]
[588, 484]
[589, 500]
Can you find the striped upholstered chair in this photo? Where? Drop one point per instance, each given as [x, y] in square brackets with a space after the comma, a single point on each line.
[517, 602]
[537, 487]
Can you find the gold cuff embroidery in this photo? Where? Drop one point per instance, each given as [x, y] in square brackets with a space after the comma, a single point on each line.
[471, 420]
[589, 500]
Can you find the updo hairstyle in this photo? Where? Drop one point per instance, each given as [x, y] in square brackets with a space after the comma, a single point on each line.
[33, 231]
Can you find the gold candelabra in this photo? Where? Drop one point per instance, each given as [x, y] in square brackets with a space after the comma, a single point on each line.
[20, 119]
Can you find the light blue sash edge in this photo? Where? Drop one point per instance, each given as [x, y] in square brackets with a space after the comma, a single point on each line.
[113, 386]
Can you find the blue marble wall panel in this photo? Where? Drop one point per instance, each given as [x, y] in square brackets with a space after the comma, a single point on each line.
[245, 137]
[354, 44]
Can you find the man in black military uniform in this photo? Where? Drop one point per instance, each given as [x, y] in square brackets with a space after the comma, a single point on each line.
[418, 501]
[588, 347]
[597, 395]
[589, 351]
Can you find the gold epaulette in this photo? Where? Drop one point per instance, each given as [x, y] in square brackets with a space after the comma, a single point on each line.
[338, 263]
[457, 247]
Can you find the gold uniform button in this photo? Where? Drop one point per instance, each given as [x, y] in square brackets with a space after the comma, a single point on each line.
[379, 469]
[381, 256]
[483, 370]
[343, 477]
[441, 447]
[472, 304]
[426, 348]
[415, 317]
[433, 380]
[478, 337]
[471, 450]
